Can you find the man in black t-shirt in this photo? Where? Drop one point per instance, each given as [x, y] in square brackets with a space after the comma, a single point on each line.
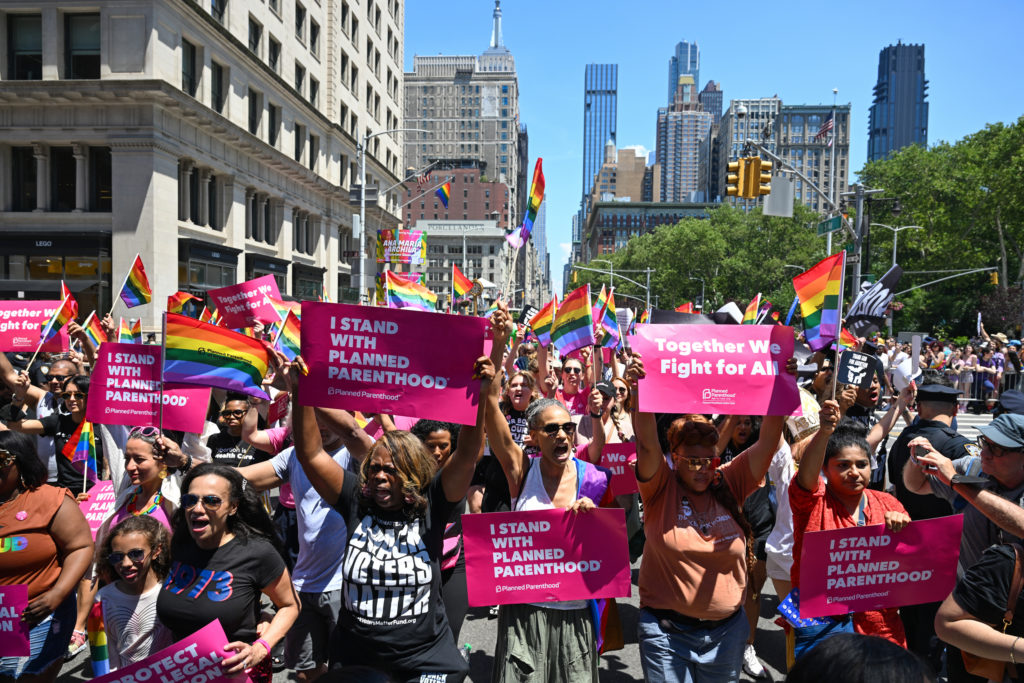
[227, 447]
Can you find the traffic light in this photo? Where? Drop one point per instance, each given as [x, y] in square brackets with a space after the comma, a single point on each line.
[735, 179]
[993, 277]
[762, 177]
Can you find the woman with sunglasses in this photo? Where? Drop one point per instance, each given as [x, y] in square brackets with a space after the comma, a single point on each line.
[699, 547]
[227, 447]
[395, 511]
[224, 556]
[45, 545]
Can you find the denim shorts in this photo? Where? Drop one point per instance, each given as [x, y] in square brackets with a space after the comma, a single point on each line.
[48, 642]
[684, 654]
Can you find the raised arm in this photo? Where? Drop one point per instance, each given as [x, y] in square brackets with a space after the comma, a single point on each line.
[880, 432]
[75, 331]
[598, 440]
[324, 473]
[499, 436]
[261, 475]
[344, 424]
[648, 451]
[725, 433]
[251, 433]
[546, 388]
[24, 390]
[814, 455]
[458, 472]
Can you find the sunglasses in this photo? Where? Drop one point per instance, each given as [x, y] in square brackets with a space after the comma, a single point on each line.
[210, 501]
[622, 391]
[58, 378]
[552, 429]
[74, 395]
[6, 458]
[698, 464]
[232, 413]
[135, 555]
[377, 468]
[145, 432]
[996, 451]
[573, 371]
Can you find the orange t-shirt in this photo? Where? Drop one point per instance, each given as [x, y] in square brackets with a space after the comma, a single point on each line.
[29, 555]
[703, 577]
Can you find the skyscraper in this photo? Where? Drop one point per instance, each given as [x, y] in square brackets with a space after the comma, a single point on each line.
[600, 116]
[899, 115]
[711, 100]
[685, 60]
[680, 130]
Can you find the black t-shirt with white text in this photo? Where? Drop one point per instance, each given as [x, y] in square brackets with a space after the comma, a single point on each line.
[224, 583]
[232, 451]
[393, 616]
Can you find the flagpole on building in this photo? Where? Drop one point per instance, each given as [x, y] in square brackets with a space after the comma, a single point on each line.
[832, 165]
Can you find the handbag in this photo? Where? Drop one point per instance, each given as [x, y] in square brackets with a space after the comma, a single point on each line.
[991, 668]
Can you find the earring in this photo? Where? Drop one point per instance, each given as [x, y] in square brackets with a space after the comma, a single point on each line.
[163, 473]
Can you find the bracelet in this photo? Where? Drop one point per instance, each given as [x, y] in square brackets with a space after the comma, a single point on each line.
[1013, 645]
[265, 644]
[596, 416]
[187, 466]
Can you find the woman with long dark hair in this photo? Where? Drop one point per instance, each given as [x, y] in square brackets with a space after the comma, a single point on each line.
[224, 555]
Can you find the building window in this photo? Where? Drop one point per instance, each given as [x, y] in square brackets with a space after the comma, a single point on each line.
[25, 48]
[300, 78]
[300, 23]
[212, 203]
[314, 151]
[82, 46]
[255, 36]
[275, 6]
[300, 141]
[314, 38]
[62, 179]
[314, 92]
[218, 9]
[344, 68]
[273, 54]
[23, 172]
[255, 111]
[100, 180]
[273, 124]
[189, 79]
[218, 86]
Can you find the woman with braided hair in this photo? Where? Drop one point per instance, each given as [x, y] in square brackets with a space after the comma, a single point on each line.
[699, 548]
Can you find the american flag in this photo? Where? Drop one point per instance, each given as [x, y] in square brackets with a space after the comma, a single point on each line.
[422, 180]
[826, 127]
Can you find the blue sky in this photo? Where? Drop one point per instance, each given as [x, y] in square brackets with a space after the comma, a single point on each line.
[972, 62]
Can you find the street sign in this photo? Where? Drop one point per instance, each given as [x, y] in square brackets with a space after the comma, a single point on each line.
[852, 259]
[830, 225]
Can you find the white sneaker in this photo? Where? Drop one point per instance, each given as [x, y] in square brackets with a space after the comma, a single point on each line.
[751, 665]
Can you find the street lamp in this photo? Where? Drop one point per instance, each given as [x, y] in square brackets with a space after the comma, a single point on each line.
[701, 291]
[361, 149]
[895, 232]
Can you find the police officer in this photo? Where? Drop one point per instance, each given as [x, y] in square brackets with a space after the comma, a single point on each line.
[936, 409]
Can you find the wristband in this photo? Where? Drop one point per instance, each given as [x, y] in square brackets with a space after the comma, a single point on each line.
[186, 467]
[266, 646]
[596, 416]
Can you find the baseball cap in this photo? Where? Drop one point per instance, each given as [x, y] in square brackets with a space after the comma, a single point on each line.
[1011, 401]
[606, 388]
[1007, 431]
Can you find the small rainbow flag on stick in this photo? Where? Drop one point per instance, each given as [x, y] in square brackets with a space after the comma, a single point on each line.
[750, 315]
[94, 330]
[210, 356]
[99, 657]
[574, 327]
[543, 321]
[460, 283]
[820, 290]
[65, 293]
[606, 319]
[518, 239]
[287, 341]
[130, 334]
[444, 193]
[81, 447]
[176, 302]
[402, 293]
[136, 291]
[59, 319]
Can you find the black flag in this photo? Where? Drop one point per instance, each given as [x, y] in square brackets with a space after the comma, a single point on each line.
[867, 313]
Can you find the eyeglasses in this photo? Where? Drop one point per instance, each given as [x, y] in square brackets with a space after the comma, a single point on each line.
[573, 371]
[995, 450]
[698, 464]
[58, 378]
[232, 413]
[74, 395]
[552, 429]
[210, 501]
[7, 458]
[144, 432]
[377, 468]
[135, 555]
[622, 391]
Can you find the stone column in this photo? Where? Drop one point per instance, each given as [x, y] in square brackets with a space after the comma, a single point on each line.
[204, 196]
[186, 169]
[81, 179]
[249, 222]
[42, 175]
[261, 223]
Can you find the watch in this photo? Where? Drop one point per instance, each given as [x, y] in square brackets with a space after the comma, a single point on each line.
[967, 479]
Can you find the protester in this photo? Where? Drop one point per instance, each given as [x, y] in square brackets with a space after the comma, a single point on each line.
[222, 559]
[696, 534]
[574, 392]
[54, 553]
[841, 500]
[227, 447]
[398, 507]
[134, 557]
[855, 658]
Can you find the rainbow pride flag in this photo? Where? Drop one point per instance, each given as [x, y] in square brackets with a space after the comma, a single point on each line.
[750, 315]
[402, 293]
[444, 193]
[136, 290]
[81, 447]
[492, 309]
[65, 293]
[61, 317]
[645, 316]
[686, 307]
[606, 320]
[544, 320]
[210, 356]
[460, 283]
[176, 302]
[820, 290]
[283, 307]
[99, 657]
[130, 334]
[287, 341]
[574, 325]
[94, 330]
[846, 339]
[518, 239]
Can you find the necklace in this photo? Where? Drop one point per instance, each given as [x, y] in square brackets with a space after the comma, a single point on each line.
[703, 525]
[133, 508]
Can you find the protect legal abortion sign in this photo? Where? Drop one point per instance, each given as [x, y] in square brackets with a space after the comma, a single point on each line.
[385, 360]
[13, 601]
[545, 556]
[870, 568]
[21, 323]
[247, 303]
[196, 659]
[126, 391]
[725, 369]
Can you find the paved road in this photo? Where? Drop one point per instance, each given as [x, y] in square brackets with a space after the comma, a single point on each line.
[480, 629]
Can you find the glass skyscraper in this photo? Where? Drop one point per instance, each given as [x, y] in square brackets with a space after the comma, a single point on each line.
[600, 116]
[685, 60]
[899, 115]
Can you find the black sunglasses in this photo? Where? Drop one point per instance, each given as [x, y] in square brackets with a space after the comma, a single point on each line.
[135, 555]
[552, 429]
[7, 458]
[74, 395]
[232, 413]
[210, 501]
[59, 378]
[573, 371]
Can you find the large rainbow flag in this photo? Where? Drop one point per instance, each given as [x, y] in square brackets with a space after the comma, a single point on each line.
[820, 290]
[60, 318]
[522, 236]
[136, 290]
[444, 193]
[210, 356]
[81, 447]
[402, 293]
[574, 324]
[460, 283]
[543, 321]
[287, 341]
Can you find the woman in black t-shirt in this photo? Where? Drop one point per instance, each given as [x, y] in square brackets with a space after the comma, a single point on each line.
[227, 447]
[222, 558]
[396, 511]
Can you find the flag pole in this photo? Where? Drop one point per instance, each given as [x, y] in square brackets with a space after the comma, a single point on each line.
[839, 325]
[42, 335]
[113, 302]
[163, 355]
[85, 469]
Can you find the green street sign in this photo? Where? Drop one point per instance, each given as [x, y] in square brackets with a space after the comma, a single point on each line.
[830, 225]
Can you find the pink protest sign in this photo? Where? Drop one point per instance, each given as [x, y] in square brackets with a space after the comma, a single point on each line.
[545, 556]
[247, 303]
[617, 458]
[99, 506]
[869, 568]
[278, 408]
[126, 391]
[725, 369]
[196, 658]
[14, 641]
[386, 360]
[21, 323]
